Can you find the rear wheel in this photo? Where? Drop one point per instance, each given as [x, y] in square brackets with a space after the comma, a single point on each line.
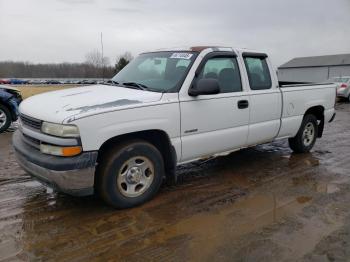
[130, 174]
[306, 136]
[5, 118]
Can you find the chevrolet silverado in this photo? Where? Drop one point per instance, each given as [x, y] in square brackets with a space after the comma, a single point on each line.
[122, 139]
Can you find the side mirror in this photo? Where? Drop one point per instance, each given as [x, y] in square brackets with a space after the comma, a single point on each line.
[205, 86]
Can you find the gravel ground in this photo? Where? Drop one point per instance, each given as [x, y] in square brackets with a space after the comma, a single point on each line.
[259, 204]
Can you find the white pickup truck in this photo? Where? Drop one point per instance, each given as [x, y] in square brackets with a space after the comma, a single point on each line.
[122, 139]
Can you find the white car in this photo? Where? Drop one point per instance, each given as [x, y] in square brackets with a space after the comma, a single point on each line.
[343, 86]
[165, 108]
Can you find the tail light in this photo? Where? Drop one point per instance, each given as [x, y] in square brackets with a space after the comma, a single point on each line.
[343, 86]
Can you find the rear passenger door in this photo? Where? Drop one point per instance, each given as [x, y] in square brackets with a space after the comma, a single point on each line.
[265, 99]
[213, 124]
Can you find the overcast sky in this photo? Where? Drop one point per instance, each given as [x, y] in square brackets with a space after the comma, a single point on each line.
[65, 30]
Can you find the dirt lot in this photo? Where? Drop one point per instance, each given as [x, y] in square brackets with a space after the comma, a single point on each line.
[259, 204]
[30, 90]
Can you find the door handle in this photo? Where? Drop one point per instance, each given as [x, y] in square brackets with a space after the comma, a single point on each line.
[242, 104]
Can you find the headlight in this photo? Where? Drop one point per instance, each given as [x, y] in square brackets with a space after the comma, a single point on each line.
[60, 130]
[60, 151]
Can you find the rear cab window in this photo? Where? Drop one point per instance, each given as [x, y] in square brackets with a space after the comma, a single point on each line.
[258, 71]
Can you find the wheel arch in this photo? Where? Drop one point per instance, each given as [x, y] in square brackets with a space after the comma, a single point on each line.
[156, 137]
[318, 112]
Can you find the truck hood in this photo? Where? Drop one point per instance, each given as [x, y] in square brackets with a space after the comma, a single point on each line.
[72, 103]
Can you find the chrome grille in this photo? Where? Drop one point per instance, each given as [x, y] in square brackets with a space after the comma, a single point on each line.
[31, 141]
[30, 122]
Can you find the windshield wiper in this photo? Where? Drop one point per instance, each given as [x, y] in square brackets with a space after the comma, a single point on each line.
[137, 85]
[110, 82]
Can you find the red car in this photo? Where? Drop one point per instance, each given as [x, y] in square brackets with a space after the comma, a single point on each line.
[4, 82]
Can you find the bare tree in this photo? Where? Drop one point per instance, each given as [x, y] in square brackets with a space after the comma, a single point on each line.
[95, 58]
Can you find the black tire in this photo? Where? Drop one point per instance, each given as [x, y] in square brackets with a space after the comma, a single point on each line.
[7, 122]
[108, 173]
[300, 144]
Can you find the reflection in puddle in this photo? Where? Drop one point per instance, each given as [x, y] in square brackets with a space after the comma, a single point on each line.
[210, 231]
[316, 185]
[327, 188]
[303, 160]
[303, 199]
[218, 203]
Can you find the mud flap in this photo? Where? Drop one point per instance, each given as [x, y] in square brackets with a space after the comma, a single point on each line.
[320, 128]
[171, 177]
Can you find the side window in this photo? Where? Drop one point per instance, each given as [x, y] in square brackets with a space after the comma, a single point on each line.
[258, 73]
[226, 71]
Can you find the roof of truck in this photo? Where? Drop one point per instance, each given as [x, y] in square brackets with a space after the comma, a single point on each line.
[200, 48]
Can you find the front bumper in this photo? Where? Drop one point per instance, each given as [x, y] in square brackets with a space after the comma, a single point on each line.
[71, 175]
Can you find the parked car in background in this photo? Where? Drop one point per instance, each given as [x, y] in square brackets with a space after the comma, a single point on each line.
[343, 86]
[15, 81]
[53, 82]
[166, 108]
[88, 82]
[4, 81]
[10, 98]
[35, 82]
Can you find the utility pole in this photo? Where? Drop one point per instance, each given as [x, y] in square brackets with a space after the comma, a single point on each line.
[102, 58]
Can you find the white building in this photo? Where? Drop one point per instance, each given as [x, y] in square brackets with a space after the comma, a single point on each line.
[315, 68]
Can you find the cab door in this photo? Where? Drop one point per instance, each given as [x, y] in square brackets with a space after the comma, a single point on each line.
[217, 123]
[265, 100]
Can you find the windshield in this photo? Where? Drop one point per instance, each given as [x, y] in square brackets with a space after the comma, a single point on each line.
[159, 71]
[340, 79]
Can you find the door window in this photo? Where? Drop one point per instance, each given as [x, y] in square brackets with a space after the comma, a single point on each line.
[226, 71]
[258, 73]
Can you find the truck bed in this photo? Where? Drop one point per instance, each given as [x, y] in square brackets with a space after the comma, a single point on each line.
[298, 98]
[283, 84]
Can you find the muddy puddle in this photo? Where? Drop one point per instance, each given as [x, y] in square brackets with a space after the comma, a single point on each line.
[259, 204]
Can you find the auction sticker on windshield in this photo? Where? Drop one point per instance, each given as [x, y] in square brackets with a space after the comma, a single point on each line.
[181, 55]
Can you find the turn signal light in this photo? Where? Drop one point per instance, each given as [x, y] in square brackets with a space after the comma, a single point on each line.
[71, 151]
[60, 151]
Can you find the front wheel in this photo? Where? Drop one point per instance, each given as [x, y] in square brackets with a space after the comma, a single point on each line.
[306, 136]
[130, 174]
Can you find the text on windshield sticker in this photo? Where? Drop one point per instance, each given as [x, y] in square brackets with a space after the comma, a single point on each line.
[181, 55]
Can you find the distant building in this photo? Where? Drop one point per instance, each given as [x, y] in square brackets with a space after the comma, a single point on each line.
[315, 68]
